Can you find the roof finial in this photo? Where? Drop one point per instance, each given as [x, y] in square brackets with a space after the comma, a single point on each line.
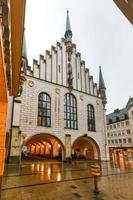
[68, 32]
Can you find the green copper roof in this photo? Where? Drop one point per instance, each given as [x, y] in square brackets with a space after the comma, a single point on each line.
[101, 80]
[130, 102]
[24, 49]
[68, 32]
[130, 105]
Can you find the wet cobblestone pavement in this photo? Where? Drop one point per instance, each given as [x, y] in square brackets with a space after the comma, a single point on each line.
[66, 181]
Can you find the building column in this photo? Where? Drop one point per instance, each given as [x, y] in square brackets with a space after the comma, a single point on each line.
[68, 146]
[15, 152]
[107, 158]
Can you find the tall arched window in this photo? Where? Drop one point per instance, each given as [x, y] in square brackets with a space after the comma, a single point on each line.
[91, 118]
[70, 111]
[44, 110]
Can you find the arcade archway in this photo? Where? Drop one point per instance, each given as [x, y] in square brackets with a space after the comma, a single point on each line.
[43, 146]
[85, 147]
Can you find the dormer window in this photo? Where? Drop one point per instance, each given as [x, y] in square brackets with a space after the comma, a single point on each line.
[122, 117]
[117, 119]
[110, 121]
[114, 119]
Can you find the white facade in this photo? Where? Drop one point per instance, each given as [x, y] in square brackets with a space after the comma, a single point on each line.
[120, 134]
[50, 75]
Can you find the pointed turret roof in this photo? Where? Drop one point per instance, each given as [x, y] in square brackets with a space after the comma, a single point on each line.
[101, 80]
[68, 25]
[68, 32]
[24, 48]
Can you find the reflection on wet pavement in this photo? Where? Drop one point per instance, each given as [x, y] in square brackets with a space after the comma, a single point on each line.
[55, 178]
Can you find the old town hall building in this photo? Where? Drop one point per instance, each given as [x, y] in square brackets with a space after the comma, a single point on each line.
[60, 111]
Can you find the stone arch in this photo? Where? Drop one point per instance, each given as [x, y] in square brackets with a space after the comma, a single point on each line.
[86, 147]
[56, 145]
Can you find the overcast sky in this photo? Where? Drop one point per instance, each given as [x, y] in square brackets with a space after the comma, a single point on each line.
[101, 32]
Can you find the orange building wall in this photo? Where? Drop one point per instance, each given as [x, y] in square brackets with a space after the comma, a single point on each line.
[3, 114]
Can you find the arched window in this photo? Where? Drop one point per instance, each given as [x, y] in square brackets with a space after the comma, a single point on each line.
[91, 118]
[70, 111]
[44, 110]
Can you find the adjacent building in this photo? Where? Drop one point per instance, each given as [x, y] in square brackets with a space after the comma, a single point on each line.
[12, 15]
[126, 6]
[60, 112]
[120, 131]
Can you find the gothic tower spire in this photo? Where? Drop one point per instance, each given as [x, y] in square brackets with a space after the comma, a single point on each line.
[101, 80]
[68, 32]
[24, 64]
[24, 48]
[102, 88]
[24, 61]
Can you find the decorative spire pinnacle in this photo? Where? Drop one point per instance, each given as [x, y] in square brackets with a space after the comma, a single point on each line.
[102, 88]
[24, 48]
[68, 26]
[68, 32]
[101, 80]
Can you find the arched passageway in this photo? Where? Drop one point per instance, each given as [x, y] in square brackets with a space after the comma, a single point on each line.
[85, 147]
[43, 146]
